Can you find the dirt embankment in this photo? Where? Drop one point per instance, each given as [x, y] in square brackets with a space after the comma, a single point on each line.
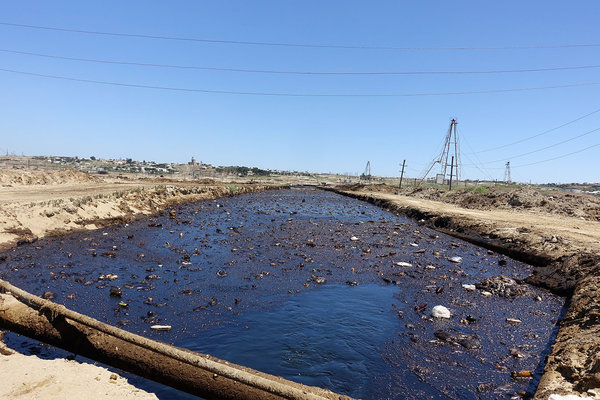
[12, 178]
[40, 203]
[551, 202]
[559, 233]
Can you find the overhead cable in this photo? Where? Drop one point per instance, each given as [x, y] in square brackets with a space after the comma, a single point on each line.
[553, 158]
[537, 135]
[271, 71]
[540, 149]
[309, 45]
[289, 94]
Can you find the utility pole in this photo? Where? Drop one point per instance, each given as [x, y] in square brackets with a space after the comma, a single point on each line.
[451, 169]
[401, 174]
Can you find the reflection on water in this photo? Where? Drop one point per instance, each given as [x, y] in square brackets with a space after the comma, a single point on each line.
[331, 337]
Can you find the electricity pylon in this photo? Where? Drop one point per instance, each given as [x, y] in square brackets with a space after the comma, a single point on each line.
[507, 173]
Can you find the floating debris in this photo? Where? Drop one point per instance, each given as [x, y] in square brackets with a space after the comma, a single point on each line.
[403, 264]
[354, 238]
[221, 273]
[466, 341]
[108, 277]
[468, 287]
[503, 286]
[440, 312]
[455, 259]
[49, 295]
[521, 374]
[161, 327]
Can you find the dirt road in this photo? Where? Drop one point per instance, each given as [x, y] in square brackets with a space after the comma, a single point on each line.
[550, 233]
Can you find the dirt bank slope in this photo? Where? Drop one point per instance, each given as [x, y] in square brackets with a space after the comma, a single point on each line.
[28, 212]
[559, 233]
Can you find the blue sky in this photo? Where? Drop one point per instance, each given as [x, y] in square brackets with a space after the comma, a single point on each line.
[318, 134]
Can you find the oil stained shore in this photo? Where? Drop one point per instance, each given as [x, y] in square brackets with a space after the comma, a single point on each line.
[306, 284]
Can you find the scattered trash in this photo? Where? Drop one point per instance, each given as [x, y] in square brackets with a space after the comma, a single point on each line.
[403, 264]
[470, 288]
[513, 320]
[440, 312]
[516, 353]
[115, 291]
[318, 250]
[469, 319]
[161, 327]
[521, 374]
[466, 341]
[503, 286]
[108, 277]
[49, 295]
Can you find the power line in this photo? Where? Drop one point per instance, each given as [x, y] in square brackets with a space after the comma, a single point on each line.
[270, 71]
[288, 94]
[553, 158]
[283, 44]
[539, 134]
[543, 148]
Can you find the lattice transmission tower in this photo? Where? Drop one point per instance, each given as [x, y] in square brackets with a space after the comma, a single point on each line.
[507, 173]
[449, 158]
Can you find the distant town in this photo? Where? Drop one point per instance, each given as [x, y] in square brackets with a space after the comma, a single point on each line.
[197, 170]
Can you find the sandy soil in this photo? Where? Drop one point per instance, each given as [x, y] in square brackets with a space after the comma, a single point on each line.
[55, 202]
[35, 204]
[559, 233]
[33, 378]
